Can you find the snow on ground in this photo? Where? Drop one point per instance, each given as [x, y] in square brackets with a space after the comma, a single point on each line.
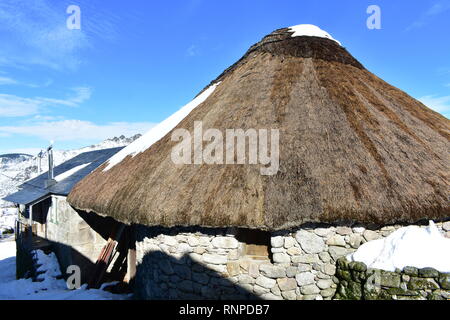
[160, 130]
[409, 246]
[7, 219]
[49, 289]
[310, 31]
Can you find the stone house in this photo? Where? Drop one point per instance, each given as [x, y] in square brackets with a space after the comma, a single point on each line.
[54, 223]
[358, 158]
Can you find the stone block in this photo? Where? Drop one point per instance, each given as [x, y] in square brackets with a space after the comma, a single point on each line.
[304, 278]
[281, 258]
[310, 242]
[287, 284]
[272, 271]
[225, 242]
[265, 282]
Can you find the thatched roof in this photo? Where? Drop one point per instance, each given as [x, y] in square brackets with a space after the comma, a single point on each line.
[352, 148]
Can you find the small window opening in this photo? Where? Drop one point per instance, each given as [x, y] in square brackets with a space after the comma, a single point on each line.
[255, 244]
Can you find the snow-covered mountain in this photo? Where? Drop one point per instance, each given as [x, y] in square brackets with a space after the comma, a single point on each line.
[17, 168]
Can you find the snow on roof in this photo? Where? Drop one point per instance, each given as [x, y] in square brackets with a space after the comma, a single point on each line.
[407, 247]
[310, 31]
[70, 172]
[160, 130]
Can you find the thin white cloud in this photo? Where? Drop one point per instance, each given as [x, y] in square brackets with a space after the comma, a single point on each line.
[76, 130]
[4, 80]
[438, 104]
[15, 106]
[35, 33]
[436, 9]
[7, 81]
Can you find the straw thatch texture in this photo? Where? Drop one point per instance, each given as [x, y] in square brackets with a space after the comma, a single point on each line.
[352, 148]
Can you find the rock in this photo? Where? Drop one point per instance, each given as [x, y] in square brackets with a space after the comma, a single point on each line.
[327, 293]
[270, 296]
[289, 295]
[310, 289]
[182, 271]
[336, 240]
[370, 235]
[358, 229]
[306, 258]
[293, 251]
[390, 279]
[253, 270]
[214, 258]
[166, 266]
[355, 240]
[323, 232]
[302, 267]
[219, 268]
[310, 242]
[204, 241]
[272, 271]
[278, 250]
[202, 278]
[304, 278]
[337, 252]
[276, 291]
[199, 250]
[233, 255]
[233, 268]
[186, 286]
[324, 283]
[245, 279]
[287, 284]
[184, 248]
[289, 242]
[291, 271]
[444, 281]
[422, 283]
[411, 271]
[169, 241]
[343, 231]
[357, 266]
[325, 256]
[329, 269]
[192, 241]
[225, 242]
[428, 273]
[281, 258]
[277, 242]
[265, 282]
[446, 226]
[258, 290]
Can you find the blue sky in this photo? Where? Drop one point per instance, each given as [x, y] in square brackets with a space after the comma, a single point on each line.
[135, 62]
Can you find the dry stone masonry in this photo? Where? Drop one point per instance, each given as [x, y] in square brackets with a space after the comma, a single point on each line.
[203, 263]
[357, 282]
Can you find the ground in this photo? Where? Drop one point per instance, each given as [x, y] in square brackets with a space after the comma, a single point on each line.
[49, 289]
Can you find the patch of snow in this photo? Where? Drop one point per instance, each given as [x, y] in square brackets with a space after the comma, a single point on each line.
[409, 246]
[50, 288]
[310, 30]
[7, 219]
[160, 130]
[70, 172]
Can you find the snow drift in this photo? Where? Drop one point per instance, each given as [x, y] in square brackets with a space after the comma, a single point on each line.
[409, 246]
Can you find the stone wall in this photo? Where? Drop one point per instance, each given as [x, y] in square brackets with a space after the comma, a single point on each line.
[357, 282]
[201, 263]
[73, 240]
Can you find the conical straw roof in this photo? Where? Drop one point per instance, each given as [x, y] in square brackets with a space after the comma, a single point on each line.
[352, 148]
